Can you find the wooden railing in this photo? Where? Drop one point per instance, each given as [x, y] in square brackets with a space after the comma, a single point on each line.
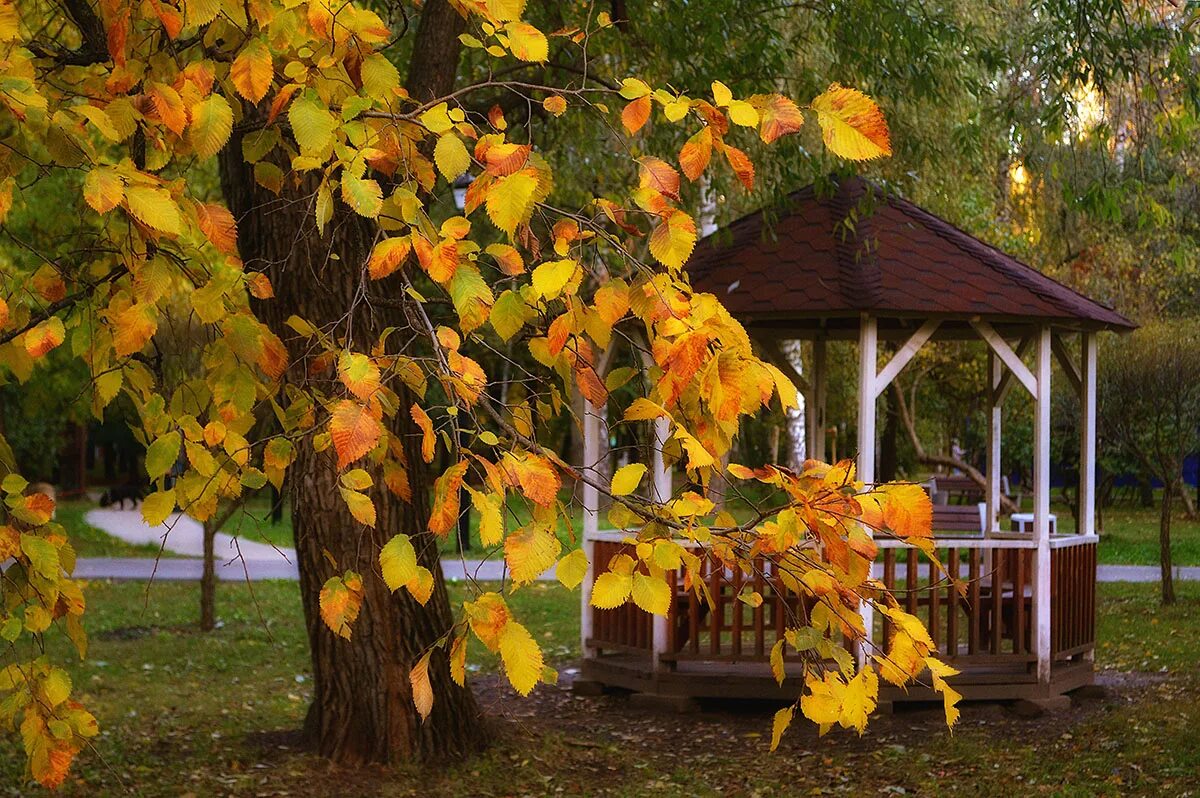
[979, 611]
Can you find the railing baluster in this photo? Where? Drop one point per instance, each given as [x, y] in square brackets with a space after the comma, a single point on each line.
[1019, 638]
[973, 608]
[889, 581]
[760, 630]
[998, 558]
[717, 616]
[952, 603]
[736, 606]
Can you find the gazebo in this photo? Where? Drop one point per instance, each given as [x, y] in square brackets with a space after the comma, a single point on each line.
[848, 261]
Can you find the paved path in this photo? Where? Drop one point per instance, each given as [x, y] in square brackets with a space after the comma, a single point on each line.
[181, 534]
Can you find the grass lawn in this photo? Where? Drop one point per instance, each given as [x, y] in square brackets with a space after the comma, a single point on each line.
[185, 713]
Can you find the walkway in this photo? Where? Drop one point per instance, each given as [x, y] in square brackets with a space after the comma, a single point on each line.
[238, 559]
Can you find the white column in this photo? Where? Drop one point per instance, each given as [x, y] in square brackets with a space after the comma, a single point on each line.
[819, 391]
[1041, 507]
[868, 346]
[995, 416]
[868, 343]
[591, 518]
[1087, 443]
[662, 492]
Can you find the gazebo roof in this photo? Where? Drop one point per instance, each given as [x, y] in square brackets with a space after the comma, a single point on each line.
[832, 255]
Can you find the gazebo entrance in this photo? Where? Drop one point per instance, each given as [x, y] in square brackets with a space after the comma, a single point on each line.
[853, 264]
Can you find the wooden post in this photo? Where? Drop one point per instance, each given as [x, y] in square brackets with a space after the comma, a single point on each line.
[591, 519]
[662, 492]
[819, 392]
[868, 343]
[1041, 508]
[1087, 442]
[995, 416]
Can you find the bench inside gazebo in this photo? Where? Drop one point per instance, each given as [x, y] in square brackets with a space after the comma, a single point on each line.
[851, 262]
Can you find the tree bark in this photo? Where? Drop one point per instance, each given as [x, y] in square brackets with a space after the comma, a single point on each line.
[1164, 543]
[208, 581]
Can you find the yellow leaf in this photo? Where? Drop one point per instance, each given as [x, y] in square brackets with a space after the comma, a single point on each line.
[823, 703]
[510, 199]
[397, 561]
[103, 189]
[611, 589]
[437, 119]
[312, 125]
[530, 552]
[852, 125]
[521, 657]
[354, 431]
[340, 600]
[157, 506]
[212, 123]
[154, 208]
[572, 569]
[451, 156]
[133, 327]
[422, 690]
[363, 195]
[360, 506]
[633, 88]
[490, 507]
[783, 719]
[458, 660]
[743, 113]
[527, 42]
[555, 105]
[651, 593]
[673, 239]
[777, 662]
[550, 278]
[721, 94]
[252, 71]
[858, 701]
[627, 478]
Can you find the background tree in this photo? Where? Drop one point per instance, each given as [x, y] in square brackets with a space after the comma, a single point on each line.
[1150, 392]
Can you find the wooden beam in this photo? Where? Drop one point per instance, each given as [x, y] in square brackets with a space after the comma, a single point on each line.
[868, 344]
[1087, 434]
[905, 354]
[1005, 352]
[591, 518]
[1000, 391]
[1041, 509]
[994, 438]
[1063, 355]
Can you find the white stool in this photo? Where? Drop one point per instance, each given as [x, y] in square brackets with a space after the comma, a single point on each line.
[1023, 522]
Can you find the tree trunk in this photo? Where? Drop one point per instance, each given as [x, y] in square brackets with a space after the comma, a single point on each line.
[1164, 543]
[208, 580]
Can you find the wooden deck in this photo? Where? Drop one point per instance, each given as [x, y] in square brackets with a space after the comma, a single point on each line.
[979, 614]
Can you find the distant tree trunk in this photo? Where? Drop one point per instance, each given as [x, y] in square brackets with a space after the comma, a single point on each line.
[362, 709]
[889, 455]
[208, 580]
[1164, 543]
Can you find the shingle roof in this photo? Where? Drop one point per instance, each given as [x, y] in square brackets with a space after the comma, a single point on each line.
[858, 249]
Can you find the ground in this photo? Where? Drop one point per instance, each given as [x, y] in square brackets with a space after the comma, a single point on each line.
[191, 714]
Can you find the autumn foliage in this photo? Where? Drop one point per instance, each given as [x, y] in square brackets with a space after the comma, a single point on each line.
[132, 97]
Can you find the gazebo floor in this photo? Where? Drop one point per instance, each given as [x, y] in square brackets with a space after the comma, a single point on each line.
[753, 680]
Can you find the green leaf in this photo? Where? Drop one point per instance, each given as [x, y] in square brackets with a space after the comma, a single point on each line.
[509, 314]
[42, 554]
[312, 124]
[212, 123]
[162, 454]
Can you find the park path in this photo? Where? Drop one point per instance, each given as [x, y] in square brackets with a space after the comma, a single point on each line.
[239, 559]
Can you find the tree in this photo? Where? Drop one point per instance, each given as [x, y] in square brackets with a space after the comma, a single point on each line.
[346, 299]
[1149, 406]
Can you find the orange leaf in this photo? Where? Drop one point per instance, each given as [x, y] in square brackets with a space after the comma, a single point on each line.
[169, 106]
[779, 117]
[660, 176]
[358, 373]
[260, 286]
[427, 437]
[636, 114]
[387, 256]
[218, 226]
[741, 165]
[696, 153]
[354, 429]
[852, 124]
[534, 475]
[340, 600]
[252, 71]
[44, 337]
[444, 515]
